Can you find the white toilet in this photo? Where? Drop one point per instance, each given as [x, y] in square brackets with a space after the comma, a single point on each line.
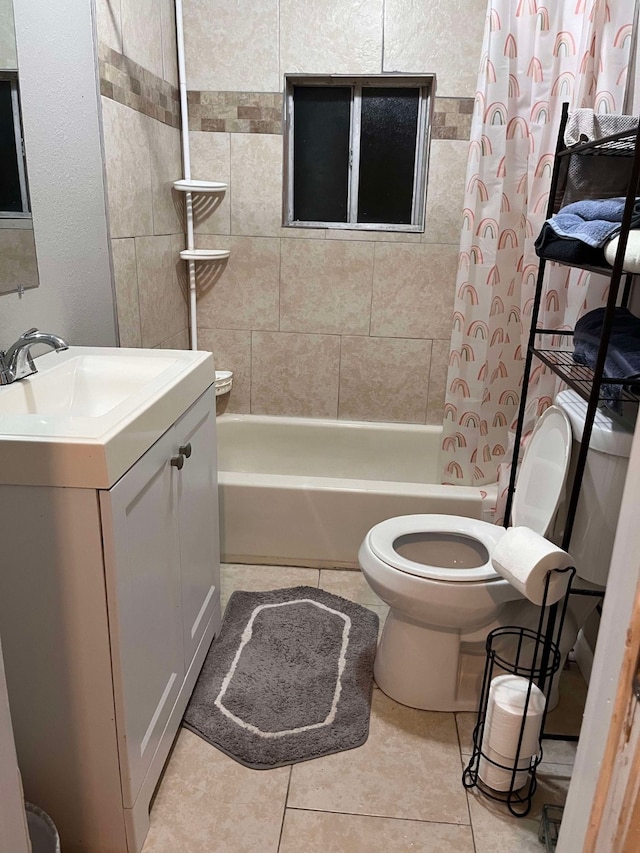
[435, 573]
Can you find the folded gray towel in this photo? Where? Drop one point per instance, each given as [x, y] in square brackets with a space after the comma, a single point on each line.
[594, 221]
[623, 353]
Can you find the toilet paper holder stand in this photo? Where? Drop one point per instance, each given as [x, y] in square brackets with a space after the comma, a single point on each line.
[535, 656]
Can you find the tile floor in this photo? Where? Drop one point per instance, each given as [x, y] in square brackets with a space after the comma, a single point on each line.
[399, 792]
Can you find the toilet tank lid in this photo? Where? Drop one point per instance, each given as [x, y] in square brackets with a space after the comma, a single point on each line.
[607, 435]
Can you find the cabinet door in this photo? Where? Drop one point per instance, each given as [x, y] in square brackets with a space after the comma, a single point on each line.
[198, 511]
[143, 585]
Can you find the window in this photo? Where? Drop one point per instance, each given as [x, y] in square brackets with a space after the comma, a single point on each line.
[14, 199]
[356, 151]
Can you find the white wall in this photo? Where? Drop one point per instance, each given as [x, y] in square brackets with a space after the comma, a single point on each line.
[60, 102]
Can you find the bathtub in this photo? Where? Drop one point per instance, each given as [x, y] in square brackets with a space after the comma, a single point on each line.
[304, 492]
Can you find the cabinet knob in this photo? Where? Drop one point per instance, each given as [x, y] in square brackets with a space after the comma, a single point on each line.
[185, 449]
[177, 461]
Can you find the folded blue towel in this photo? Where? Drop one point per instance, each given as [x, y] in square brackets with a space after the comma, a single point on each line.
[623, 355]
[594, 221]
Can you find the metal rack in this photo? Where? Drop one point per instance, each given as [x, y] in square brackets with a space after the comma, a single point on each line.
[586, 382]
[535, 656]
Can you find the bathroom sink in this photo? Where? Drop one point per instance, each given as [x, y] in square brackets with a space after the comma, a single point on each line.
[90, 412]
[82, 386]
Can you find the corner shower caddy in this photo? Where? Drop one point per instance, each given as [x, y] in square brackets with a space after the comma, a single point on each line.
[190, 186]
[584, 381]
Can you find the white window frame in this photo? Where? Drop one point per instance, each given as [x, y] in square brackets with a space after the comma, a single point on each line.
[426, 85]
[25, 213]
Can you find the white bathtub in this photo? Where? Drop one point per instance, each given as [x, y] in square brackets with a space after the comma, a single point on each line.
[304, 492]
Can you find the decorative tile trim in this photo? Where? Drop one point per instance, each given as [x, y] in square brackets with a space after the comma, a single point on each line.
[235, 112]
[452, 118]
[123, 80]
[261, 112]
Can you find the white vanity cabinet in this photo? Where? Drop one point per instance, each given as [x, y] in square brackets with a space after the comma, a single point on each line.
[109, 600]
[163, 576]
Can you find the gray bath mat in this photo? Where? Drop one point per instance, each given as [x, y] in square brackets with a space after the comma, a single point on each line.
[288, 679]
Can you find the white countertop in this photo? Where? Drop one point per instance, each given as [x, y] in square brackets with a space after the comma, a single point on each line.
[91, 412]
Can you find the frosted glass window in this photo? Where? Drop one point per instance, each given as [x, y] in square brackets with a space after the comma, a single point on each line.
[321, 152]
[356, 151]
[388, 136]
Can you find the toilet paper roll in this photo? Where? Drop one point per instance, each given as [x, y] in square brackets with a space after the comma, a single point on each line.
[498, 778]
[505, 713]
[523, 557]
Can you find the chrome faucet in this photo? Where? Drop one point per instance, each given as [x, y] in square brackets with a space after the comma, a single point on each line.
[17, 363]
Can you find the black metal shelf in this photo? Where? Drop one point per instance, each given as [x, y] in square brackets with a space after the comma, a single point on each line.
[580, 378]
[586, 382]
[606, 271]
[621, 144]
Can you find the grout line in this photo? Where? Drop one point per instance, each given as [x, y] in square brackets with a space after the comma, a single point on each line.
[473, 838]
[373, 282]
[428, 396]
[284, 809]
[135, 256]
[377, 816]
[339, 377]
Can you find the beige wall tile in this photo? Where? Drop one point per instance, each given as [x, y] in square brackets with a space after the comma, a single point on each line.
[256, 184]
[18, 263]
[166, 167]
[169, 49]
[211, 161]
[142, 33]
[125, 274]
[232, 351]
[424, 36]
[330, 37]
[320, 832]
[163, 307]
[413, 289]
[445, 191]
[242, 292]
[109, 23]
[384, 379]
[179, 341]
[206, 795]
[325, 286]
[256, 187]
[408, 768]
[232, 46]
[438, 381]
[294, 375]
[128, 166]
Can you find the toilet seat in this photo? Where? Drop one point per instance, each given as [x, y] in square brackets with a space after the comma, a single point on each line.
[383, 537]
[539, 488]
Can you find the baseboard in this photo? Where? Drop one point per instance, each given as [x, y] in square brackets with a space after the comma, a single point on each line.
[584, 656]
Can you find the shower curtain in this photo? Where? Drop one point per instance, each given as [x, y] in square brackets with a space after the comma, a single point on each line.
[536, 55]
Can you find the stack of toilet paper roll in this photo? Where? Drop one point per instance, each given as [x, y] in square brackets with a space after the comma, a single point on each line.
[502, 726]
[524, 558]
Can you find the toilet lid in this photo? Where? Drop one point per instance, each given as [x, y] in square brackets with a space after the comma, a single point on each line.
[404, 541]
[543, 472]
